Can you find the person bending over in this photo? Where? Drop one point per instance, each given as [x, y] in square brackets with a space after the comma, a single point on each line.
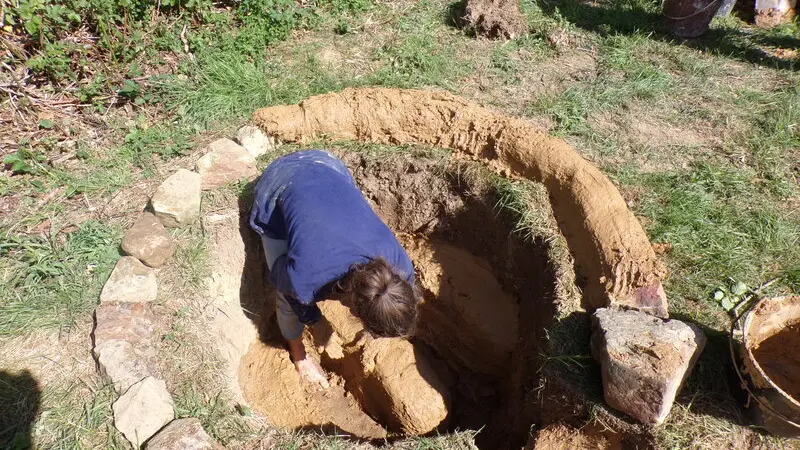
[321, 236]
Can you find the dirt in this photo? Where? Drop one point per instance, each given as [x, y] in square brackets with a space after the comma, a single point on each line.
[273, 386]
[466, 315]
[494, 19]
[562, 437]
[608, 243]
[779, 357]
[392, 380]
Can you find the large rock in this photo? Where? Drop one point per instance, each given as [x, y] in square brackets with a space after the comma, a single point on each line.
[254, 140]
[143, 410]
[225, 161]
[130, 281]
[176, 202]
[183, 434]
[122, 342]
[644, 360]
[149, 241]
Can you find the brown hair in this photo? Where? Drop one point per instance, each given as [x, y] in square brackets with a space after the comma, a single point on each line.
[385, 302]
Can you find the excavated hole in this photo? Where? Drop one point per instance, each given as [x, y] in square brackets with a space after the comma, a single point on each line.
[489, 294]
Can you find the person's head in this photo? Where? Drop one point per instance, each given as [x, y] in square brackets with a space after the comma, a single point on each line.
[385, 302]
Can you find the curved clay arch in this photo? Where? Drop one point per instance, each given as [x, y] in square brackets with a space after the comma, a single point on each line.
[607, 242]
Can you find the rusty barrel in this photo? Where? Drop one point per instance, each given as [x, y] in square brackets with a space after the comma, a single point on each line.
[770, 369]
[689, 19]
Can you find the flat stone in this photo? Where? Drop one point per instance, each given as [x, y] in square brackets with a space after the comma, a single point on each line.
[176, 202]
[183, 434]
[130, 281]
[224, 162]
[143, 410]
[149, 241]
[255, 141]
[644, 360]
[122, 342]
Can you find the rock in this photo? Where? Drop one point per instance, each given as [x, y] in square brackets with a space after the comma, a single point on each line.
[122, 342]
[224, 162]
[143, 410]
[176, 202]
[148, 241]
[130, 281]
[183, 434]
[254, 140]
[644, 360]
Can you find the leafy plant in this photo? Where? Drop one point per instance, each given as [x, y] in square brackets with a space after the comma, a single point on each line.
[731, 295]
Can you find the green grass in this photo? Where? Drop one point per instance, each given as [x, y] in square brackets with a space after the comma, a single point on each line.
[47, 283]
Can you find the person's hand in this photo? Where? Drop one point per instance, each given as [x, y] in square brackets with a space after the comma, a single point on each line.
[310, 371]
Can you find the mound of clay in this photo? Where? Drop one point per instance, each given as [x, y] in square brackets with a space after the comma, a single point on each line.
[494, 18]
[391, 379]
[272, 385]
[608, 243]
[466, 315]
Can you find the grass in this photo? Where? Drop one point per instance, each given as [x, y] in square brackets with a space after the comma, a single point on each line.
[50, 282]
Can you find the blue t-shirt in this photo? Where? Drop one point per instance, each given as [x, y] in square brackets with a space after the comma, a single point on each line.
[310, 199]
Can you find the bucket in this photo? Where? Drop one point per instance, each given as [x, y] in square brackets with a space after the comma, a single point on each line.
[770, 367]
[689, 19]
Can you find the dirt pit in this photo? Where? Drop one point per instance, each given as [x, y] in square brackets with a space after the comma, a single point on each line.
[779, 357]
[488, 294]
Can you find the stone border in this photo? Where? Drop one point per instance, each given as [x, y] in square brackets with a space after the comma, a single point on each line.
[123, 341]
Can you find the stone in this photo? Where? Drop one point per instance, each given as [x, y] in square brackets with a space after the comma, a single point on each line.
[130, 281]
[149, 241]
[225, 162]
[255, 141]
[183, 434]
[644, 360]
[122, 342]
[176, 202]
[143, 410]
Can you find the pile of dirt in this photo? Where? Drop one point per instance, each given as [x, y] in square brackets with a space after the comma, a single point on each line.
[562, 437]
[779, 357]
[493, 18]
[605, 238]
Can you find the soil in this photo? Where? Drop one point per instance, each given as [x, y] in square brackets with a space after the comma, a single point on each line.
[561, 437]
[272, 385]
[608, 243]
[465, 315]
[494, 18]
[779, 357]
[478, 277]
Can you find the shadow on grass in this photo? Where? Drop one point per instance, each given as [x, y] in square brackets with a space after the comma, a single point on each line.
[20, 398]
[612, 17]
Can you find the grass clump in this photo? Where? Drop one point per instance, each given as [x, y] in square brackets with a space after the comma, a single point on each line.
[47, 283]
[721, 225]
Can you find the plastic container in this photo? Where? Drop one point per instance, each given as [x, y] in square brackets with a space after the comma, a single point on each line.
[689, 19]
[770, 405]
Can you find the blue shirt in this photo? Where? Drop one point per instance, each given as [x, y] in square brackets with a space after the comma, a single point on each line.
[310, 199]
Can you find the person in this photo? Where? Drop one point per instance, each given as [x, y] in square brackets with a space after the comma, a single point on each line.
[320, 236]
